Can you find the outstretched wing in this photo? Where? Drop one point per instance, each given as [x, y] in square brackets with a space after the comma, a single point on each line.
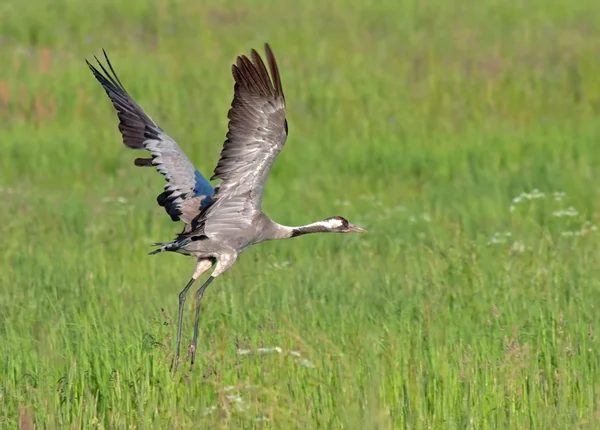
[257, 133]
[187, 192]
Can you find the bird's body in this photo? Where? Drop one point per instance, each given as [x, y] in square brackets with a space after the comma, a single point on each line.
[260, 228]
[223, 221]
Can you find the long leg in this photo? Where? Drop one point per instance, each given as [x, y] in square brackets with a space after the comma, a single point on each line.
[180, 323]
[199, 295]
[203, 266]
[224, 262]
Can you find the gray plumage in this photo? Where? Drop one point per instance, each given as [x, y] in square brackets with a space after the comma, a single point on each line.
[219, 222]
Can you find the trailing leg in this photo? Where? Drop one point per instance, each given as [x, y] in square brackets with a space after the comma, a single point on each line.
[224, 262]
[199, 295]
[203, 266]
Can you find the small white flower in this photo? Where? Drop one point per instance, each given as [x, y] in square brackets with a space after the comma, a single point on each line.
[269, 350]
[559, 196]
[533, 195]
[210, 410]
[280, 265]
[518, 247]
[569, 212]
[234, 398]
[499, 237]
[536, 194]
[306, 363]
[586, 228]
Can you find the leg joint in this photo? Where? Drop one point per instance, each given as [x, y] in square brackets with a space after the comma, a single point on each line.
[182, 296]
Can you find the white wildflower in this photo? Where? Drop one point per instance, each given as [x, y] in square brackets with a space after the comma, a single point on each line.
[280, 265]
[533, 195]
[559, 196]
[569, 212]
[499, 237]
[586, 228]
[536, 194]
[518, 247]
[234, 398]
[306, 363]
[269, 350]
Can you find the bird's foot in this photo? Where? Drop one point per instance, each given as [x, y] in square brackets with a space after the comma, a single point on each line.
[193, 354]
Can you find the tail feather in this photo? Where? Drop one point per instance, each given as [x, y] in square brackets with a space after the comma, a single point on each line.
[169, 246]
[164, 246]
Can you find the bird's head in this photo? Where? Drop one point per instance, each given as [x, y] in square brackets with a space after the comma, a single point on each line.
[340, 224]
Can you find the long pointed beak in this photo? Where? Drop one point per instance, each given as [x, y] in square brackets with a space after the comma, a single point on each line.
[355, 229]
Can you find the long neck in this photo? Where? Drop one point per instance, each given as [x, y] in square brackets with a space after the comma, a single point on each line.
[284, 232]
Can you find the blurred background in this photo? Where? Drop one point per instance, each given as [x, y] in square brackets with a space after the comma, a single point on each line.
[462, 135]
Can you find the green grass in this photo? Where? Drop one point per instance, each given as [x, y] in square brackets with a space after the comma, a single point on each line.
[420, 121]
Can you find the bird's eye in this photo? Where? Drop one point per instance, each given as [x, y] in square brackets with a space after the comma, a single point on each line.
[342, 220]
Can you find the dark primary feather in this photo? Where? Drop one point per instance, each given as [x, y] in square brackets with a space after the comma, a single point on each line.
[257, 133]
[186, 191]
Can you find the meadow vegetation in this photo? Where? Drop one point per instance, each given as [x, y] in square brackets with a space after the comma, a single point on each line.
[463, 135]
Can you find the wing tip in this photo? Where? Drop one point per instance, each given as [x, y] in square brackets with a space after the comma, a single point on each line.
[106, 76]
[274, 70]
[253, 74]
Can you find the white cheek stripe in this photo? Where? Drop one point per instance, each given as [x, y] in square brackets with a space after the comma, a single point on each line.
[333, 223]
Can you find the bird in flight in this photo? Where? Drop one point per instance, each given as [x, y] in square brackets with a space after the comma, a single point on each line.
[219, 222]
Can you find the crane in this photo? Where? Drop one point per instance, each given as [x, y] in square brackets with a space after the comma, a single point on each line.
[219, 222]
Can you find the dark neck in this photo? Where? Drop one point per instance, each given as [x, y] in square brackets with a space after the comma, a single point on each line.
[278, 231]
[308, 229]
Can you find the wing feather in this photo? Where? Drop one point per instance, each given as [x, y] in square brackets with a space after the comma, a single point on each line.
[187, 192]
[256, 134]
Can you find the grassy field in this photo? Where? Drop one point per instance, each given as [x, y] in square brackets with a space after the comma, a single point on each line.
[464, 136]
